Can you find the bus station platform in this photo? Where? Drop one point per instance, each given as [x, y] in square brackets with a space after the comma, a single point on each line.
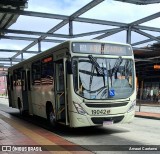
[19, 136]
[148, 109]
[148, 115]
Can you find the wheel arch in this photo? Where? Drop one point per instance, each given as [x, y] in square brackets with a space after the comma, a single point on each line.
[49, 106]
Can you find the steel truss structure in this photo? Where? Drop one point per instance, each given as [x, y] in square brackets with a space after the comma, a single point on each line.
[135, 26]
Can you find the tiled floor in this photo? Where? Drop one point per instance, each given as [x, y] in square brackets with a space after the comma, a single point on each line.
[14, 131]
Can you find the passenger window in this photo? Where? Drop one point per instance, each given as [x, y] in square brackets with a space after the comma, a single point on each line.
[11, 80]
[17, 79]
[36, 73]
[47, 70]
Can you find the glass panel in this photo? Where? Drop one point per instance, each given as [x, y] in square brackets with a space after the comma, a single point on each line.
[47, 71]
[36, 73]
[101, 78]
[17, 77]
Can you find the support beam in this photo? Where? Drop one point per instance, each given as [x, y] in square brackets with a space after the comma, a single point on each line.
[61, 24]
[84, 9]
[143, 20]
[101, 22]
[34, 14]
[147, 35]
[5, 67]
[8, 50]
[70, 28]
[9, 59]
[21, 56]
[140, 2]
[30, 39]
[128, 35]
[5, 64]
[33, 33]
[144, 41]
[39, 46]
[117, 30]
[62, 17]
[8, 63]
[154, 29]
[53, 35]
[95, 32]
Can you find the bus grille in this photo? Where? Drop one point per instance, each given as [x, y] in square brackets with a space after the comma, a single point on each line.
[106, 105]
[99, 120]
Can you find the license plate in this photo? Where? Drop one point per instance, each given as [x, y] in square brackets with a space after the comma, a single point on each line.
[107, 123]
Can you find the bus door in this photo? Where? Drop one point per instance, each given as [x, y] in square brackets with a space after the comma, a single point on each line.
[60, 92]
[28, 78]
[24, 90]
[10, 89]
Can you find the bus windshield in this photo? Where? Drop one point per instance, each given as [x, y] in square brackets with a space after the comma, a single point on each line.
[103, 78]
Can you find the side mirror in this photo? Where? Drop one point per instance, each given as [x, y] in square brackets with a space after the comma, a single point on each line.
[69, 67]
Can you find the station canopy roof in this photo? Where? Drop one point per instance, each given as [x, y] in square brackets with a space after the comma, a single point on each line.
[10, 10]
[6, 19]
[140, 2]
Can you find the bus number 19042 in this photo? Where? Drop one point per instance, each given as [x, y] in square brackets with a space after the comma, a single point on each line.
[98, 112]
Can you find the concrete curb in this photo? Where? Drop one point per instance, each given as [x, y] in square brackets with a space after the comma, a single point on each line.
[147, 117]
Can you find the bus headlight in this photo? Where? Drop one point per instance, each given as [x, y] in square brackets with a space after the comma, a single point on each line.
[79, 108]
[132, 106]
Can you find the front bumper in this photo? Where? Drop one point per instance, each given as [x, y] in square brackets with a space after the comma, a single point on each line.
[79, 120]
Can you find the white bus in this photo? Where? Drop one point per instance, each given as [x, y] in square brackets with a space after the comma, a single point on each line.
[77, 83]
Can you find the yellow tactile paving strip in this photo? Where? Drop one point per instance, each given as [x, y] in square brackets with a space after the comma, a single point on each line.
[33, 132]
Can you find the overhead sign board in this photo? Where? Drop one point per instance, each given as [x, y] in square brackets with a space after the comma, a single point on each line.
[101, 48]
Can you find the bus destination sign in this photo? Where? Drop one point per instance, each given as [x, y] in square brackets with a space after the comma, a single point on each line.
[46, 60]
[102, 48]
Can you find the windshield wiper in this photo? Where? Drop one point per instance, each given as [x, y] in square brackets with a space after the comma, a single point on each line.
[94, 62]
[91, 77]
[115, 68]
[116, 65]
[99, 70]
[128, 69]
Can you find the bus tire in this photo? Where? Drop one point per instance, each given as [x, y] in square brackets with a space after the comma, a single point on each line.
[51, 115]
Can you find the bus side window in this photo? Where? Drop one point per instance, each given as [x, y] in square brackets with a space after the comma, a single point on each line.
[17, 77]
[14, 78]
[47, 70]
[11, 81]
[24, 82]
[19, 83]
[28, 80]
[8, 81]
[36, 73]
